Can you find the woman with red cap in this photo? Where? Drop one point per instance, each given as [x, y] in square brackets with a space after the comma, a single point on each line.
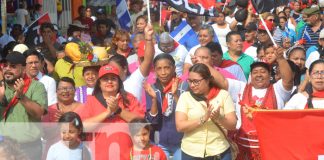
[110, 103]
[262, 34]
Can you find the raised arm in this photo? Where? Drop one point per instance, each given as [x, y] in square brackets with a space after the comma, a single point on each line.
[285, 70]
[149, 51]
[220, 79]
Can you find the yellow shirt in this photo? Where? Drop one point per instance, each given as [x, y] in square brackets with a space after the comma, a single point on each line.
[63, 69]
[206, 140]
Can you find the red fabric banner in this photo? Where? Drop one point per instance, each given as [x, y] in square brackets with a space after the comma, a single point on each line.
[290, 135]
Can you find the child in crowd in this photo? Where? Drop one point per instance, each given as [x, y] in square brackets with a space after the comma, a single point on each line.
[142, 148]
[70, 147]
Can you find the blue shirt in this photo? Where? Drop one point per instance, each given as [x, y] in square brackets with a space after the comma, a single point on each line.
[244, 61]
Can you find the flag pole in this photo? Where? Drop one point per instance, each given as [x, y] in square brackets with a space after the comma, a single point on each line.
[4, 16]
[148, 11]
[224, 5]
[160, 14]
[267, 29]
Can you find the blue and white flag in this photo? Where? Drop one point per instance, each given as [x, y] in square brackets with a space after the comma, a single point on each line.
[307, 36]
[182, 33]
[123, 15]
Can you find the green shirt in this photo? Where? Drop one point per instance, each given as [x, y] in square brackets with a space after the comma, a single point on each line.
[19, 124]
[244, 61]
[63, 69]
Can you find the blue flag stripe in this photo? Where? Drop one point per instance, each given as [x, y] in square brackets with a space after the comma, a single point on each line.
[123, 14]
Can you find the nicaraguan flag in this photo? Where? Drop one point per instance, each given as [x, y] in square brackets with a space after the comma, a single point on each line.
[182, 33]
[307, 36]
[123, 15]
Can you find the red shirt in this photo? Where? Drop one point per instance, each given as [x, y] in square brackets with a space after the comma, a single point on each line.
[246, 45]
[111, 137]
[152, 153]
[86, 21]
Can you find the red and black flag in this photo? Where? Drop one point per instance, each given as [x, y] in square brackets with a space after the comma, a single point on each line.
[32, 34]
[197, 7]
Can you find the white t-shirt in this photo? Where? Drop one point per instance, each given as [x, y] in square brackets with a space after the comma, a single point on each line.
[191, 53]
[59, 151]
[50, 87]
[313, 56]
[20, 16]
[221, 35]
[133, 84]
[236, 89]
[299, 100]
[179, 56]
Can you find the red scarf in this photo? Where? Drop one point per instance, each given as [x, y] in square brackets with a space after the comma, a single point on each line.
[246, 133]
[319, 94]
[14, 100]
[227, 63]
[269, 101]
[213, 92]
[166, 90]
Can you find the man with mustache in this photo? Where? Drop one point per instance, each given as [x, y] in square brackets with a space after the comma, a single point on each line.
[22, 101]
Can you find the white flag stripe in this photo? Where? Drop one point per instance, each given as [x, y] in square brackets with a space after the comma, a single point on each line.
[182, 33]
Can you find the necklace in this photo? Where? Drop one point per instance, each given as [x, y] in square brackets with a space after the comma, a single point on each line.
[148, 158]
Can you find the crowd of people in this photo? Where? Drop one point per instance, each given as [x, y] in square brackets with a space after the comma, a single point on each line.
[152, 97]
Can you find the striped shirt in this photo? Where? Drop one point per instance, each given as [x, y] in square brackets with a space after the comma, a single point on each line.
[313, 35]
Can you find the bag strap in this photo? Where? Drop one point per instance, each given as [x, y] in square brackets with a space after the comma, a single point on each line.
[223, 132]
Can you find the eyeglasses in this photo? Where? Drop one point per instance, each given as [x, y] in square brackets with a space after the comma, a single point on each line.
[317, 74]
[65, 89]
[195, 82]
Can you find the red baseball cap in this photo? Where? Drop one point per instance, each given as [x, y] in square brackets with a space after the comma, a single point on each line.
[108, 69]
[141, 49]
[269, 24]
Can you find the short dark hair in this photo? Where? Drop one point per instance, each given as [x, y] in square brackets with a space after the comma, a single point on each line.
[260, 64]
[81, 7]
[66, 79]
[102, 22]
[230, 34]
[46, 25]
[33, 52]
[284, 18]
[214, 47]
[268, 45]
[37, 6]
[96, 68]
